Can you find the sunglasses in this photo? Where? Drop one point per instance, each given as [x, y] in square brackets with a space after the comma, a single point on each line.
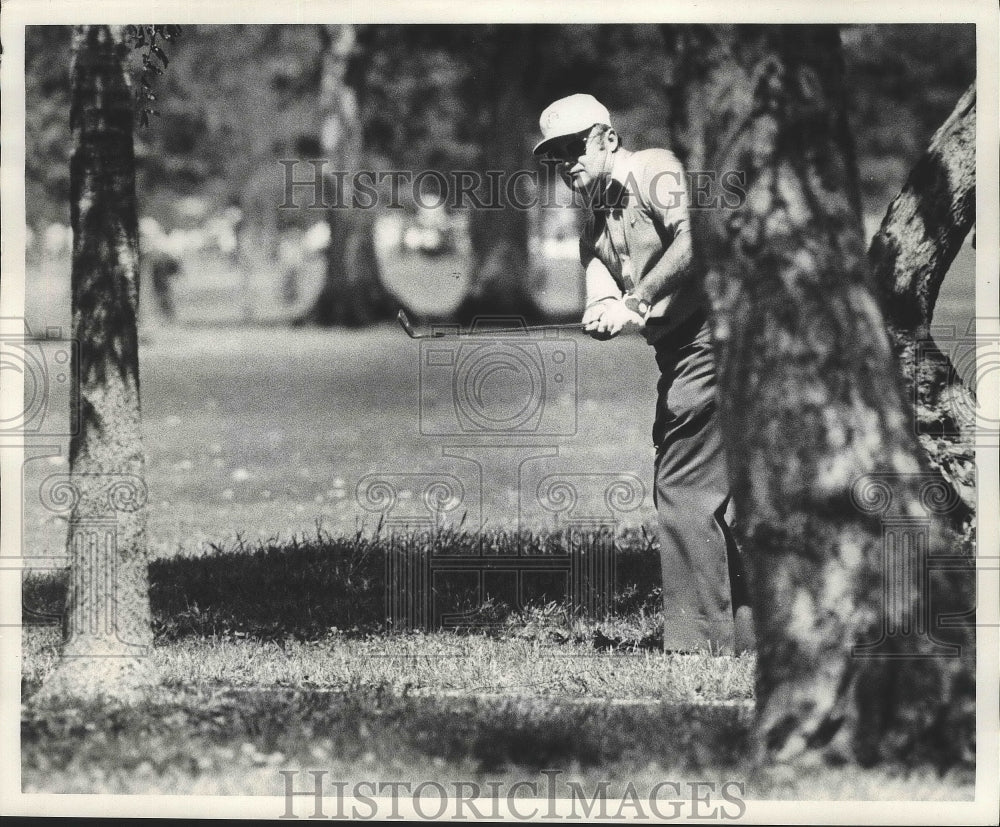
[571, 150]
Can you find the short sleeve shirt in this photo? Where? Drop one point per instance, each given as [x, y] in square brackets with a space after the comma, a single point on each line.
[645, 211]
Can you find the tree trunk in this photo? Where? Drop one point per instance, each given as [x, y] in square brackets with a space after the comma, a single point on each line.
[501, 276]
[107, 624]
[920, 236]
[353, 293]
[840, 512]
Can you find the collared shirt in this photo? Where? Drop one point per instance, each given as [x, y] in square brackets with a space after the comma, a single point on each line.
[645, 209]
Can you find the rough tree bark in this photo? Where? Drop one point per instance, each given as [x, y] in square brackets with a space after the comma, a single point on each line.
[353, 293]
[840, 511]
[921, 234]
[501, 276]
[107, 627]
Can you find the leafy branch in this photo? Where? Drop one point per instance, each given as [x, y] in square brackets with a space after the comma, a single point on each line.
[147, 42]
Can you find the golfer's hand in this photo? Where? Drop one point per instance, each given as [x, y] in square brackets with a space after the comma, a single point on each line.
[615, 319]
[592, 315]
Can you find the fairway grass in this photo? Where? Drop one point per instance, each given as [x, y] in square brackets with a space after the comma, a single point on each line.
[379, 711]
[441, 663]
[542, 688]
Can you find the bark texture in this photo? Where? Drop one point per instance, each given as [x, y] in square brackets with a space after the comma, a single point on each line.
[840, 512]
[501, 275]
[353, 293]
[107, 623]
[921, 234]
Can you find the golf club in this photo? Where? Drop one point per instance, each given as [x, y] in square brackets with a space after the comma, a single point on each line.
[405, 323]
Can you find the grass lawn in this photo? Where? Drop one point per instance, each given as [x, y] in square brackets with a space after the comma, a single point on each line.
[270, 617]
[275, 658]
[261, 430]
[232, 714]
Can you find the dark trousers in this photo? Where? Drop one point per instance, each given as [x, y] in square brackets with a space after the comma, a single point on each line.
[703, 576]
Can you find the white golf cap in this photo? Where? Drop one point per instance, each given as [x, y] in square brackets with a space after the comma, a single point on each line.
[569, 116]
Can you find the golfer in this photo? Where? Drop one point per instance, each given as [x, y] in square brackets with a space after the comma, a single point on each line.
[636, 254]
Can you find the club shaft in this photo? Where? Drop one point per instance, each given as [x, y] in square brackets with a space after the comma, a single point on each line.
[533, 329]
[408, 327]
[439, 334]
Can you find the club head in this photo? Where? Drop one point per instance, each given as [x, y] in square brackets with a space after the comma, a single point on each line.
[404, 322]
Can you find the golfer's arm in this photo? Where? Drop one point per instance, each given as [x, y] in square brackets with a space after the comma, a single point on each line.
[600, 283]
[669, 274]
[663, 184]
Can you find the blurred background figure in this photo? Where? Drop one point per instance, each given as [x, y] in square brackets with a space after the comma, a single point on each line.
[223, 226]
[430, 232]
[58, 240]
[291, 258]
[160, 265]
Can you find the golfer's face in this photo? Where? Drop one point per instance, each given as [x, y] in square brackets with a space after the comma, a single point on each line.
[581, 159]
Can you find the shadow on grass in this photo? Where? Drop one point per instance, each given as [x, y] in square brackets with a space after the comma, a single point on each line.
[381, 727]
[304, 588]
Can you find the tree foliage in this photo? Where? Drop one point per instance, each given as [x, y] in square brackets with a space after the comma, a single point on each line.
[237, 96]
[147, 40]
[902, 82]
